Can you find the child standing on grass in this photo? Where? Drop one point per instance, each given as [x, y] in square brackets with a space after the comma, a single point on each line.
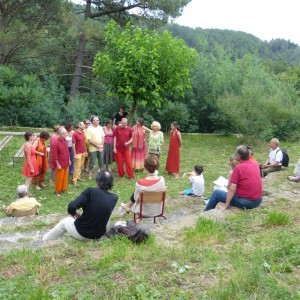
[197, 180]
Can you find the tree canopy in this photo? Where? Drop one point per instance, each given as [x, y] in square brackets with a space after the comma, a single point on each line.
[141, 66]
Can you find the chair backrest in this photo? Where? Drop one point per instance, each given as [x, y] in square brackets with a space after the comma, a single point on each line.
[18, 213]
[152, 197]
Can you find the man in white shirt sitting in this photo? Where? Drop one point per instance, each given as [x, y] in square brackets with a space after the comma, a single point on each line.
[273, 163]
[23, 205]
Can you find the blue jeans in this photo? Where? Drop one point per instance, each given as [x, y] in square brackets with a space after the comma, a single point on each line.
[220, 196]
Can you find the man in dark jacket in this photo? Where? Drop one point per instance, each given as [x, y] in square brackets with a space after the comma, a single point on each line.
[97, 205]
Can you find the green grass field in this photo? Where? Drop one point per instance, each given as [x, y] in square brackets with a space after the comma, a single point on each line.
[251, 254]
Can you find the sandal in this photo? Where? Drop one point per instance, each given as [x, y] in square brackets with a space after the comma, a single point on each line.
[124, 206]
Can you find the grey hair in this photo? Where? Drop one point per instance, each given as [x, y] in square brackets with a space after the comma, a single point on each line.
[60, 129]
[22, 191]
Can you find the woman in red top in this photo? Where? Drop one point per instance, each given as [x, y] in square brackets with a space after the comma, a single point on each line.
[41, 159]
[173, 159]
[30, 168]
[138, 152]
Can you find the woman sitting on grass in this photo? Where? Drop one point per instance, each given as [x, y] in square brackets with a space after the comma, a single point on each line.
[151, 183]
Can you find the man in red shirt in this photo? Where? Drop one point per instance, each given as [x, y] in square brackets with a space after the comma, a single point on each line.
[62, 161]
[80, 153]
[245, 185]
[122, 140]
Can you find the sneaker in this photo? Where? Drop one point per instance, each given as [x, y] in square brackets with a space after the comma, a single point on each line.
[37, 188]
[58, 194]
[206, 201]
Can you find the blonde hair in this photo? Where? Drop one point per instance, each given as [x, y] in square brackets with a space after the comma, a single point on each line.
[155, 123]
[232, 160]
[276, 141]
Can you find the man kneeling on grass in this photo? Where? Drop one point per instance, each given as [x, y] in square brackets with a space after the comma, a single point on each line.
[245, 185]
[23, 204]
[97, 205]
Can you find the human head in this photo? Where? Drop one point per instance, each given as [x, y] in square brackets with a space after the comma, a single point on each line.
[87, 123]
[198, 169]
[156, 125]
[69, 126]
[251, 152]
[62, 132]
[274, 143]
[28, 135]
[242, 153]
[121, 109]
[109, 123]
[175, 125]
[95, 121]
[232, 161]
[104, 180]
[80, 125]
[124, 122]
[22, 191]
[151, 163]
[55, 128]
[44, 135]
[140, 121]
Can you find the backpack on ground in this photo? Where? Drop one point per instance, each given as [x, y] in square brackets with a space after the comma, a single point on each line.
[134, 232]
[285, 158]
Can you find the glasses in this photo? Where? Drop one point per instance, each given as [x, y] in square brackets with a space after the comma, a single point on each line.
[87, 123]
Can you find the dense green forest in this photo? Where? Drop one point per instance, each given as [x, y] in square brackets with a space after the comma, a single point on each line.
[227, 82]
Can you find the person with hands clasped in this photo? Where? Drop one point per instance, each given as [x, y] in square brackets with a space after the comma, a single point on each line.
[122, 140]
[62, 161]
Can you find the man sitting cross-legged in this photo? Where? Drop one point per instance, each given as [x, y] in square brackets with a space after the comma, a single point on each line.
[245, 185]
[23, 204]
[97, 205]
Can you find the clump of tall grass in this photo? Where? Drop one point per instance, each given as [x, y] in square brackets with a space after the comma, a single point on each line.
[276, 218]
[206, 231]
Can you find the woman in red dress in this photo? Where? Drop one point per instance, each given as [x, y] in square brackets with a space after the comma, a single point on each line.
[173, 159]
[30, 168]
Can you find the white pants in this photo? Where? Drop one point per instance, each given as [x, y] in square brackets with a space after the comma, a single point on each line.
[65, 225]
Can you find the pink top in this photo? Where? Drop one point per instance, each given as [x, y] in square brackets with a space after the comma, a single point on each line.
[246, 176]
[109, 137]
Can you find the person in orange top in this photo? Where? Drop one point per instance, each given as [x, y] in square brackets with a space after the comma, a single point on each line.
[41, 160]
[30, 168]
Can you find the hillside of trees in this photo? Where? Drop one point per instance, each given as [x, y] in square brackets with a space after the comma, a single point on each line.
[237, 82]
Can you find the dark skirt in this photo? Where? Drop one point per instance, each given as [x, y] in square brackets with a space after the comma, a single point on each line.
[108, 153]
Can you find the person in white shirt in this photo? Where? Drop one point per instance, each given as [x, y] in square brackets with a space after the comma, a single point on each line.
[273, 162]
[197, 180]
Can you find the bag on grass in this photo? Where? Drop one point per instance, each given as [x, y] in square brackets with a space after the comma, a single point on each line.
[285, 158]
[134, 232]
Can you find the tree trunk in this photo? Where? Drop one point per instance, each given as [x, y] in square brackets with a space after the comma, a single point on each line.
[78, 66]
[132, 112]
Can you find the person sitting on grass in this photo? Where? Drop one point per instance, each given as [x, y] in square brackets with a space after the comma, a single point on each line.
[97, 205]
[197, 180]
[245, 185]
[273, 162]
[296, 177]
[151, 183]
[23, 204]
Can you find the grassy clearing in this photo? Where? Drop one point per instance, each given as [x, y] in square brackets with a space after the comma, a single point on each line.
[251, 255]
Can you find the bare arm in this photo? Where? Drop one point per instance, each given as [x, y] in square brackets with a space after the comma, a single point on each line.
[230, 194]
[179, 138]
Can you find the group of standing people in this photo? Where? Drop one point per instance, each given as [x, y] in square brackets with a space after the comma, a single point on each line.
[72, 151]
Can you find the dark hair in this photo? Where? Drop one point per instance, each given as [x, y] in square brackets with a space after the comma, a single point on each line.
[122, 107]
[27, 135]
[55, 128]
[243, 152]
[176, 125]
[108, 122]
[44, 135]
[105, 180]
[250, 149]
[198, 169]
[151, 163]
[140, 120]
[68, 125]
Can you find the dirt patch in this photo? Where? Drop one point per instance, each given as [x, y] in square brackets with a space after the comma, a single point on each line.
[12, 271]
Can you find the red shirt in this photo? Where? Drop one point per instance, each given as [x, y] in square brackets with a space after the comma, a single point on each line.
[246, 176]
[78, 138]
[60, 152]
[122, 135]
